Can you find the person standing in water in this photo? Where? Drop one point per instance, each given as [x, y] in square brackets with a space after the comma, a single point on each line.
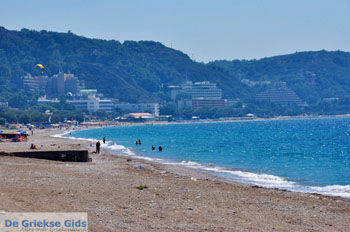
[139, 141]
[153, 148]
[104, 140]
[160, 148]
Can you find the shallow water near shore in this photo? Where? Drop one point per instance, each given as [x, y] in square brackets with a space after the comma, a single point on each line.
[307, 155]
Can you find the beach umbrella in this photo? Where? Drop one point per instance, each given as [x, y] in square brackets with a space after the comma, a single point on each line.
[22, 132]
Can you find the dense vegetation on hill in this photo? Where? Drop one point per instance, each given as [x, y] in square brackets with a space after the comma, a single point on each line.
[140, 71]
[131, 71]
[312, 75]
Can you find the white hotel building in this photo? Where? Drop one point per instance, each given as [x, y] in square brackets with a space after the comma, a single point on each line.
[197, 90]
[89, 101]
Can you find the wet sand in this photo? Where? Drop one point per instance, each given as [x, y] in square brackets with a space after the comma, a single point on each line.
[176, 198]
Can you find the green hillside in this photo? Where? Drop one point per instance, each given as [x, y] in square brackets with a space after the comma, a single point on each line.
[140, 71]
[130, 71]
[312, 75]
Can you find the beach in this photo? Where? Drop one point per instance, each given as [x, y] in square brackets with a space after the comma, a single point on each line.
[173, 198]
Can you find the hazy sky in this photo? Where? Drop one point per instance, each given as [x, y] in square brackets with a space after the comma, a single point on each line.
[204, 29]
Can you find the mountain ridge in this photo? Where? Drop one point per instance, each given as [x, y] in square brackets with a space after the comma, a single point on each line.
[138, 71]
[131, 71]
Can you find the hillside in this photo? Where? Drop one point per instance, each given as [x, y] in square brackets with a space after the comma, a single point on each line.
[139, 71]
[130, 71]
[312, 75]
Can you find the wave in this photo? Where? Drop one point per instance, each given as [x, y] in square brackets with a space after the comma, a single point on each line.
[61, 135]
[264, 180]
[271, 181]
[333, 190]
[259, 179]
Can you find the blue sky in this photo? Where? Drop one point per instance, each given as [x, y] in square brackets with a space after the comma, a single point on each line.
[204, 29]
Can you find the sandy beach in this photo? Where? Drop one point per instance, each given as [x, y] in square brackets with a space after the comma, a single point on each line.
[176, 198]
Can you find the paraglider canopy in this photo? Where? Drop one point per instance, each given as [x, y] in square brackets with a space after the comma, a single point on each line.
[40, 66]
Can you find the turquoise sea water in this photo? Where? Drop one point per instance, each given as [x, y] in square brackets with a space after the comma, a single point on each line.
[309, 155]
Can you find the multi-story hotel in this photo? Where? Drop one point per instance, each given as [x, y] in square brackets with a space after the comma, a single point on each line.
[198, 94]
[87, 100]
[197, 90]
[282, 95]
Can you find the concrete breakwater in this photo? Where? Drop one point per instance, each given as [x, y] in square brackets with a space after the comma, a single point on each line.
[64, 155]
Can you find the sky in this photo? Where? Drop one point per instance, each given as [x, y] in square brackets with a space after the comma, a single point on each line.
[206, 30]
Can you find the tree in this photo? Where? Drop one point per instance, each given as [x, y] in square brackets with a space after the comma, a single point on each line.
[169, 108]
[186, 113]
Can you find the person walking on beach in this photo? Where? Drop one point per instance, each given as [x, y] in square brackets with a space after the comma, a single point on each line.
[104, 140]
[98, 145]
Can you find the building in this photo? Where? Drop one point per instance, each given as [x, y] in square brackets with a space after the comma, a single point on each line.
[330, 99]
[196, 90]
[87, 100]
[199, 103]
[71, 85]
[4, 104]
[45, 100]
[185, 103]
[61, 78]
[198, 94]
[63, 83]
[282, 95]
[37, 83]
[143, 116]
[140, 108]
[106, 105]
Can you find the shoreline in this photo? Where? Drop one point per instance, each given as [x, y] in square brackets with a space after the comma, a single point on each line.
[239, 119]
[236, 176]
[176, 199]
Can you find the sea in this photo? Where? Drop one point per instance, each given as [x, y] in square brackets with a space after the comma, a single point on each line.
[304, 155]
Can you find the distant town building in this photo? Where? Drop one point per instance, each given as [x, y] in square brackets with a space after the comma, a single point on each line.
[205, 90]
[45, 100]
[254, 83]
[63, 83]
[87, 100]
[36, 83]
[71, 85]
[330, 99]
[198, 94]
[144, 116]
[105, 105]
[199, 103]
[281, 94]
[59, 84]
[140, 108]
[4, 104]
[61, 78]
